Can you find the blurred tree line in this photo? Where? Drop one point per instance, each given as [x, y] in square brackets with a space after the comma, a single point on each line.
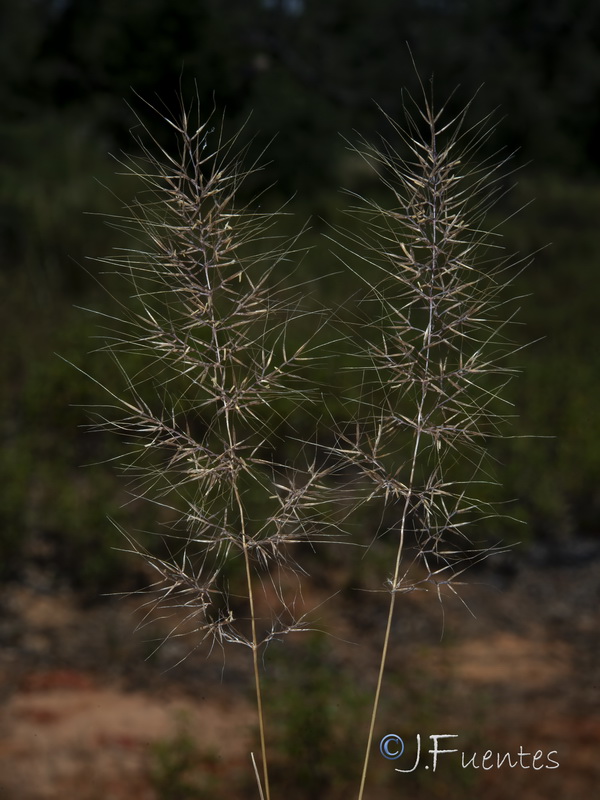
[294, 74]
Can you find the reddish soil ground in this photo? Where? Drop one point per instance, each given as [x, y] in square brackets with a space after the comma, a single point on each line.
[90, 709]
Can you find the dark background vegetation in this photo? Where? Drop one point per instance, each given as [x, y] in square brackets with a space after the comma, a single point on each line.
[296, 74]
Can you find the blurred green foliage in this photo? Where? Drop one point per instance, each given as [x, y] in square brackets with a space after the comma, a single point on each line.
[51, 509]
[556, 479]
[314, 710]
[178, 770]
[306, 71]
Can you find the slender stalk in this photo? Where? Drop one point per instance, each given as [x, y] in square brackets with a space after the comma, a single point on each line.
[254, 647]
[386, 641]
[388, 627]
[257, 683]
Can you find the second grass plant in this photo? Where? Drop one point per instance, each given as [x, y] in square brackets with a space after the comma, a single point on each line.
[435, 361]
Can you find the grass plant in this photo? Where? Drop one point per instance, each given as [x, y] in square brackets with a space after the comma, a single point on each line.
[434, 364]
[214, 375]
[212, 368]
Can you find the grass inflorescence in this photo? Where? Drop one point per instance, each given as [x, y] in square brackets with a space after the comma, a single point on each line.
[215, 361]
[434, 364]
